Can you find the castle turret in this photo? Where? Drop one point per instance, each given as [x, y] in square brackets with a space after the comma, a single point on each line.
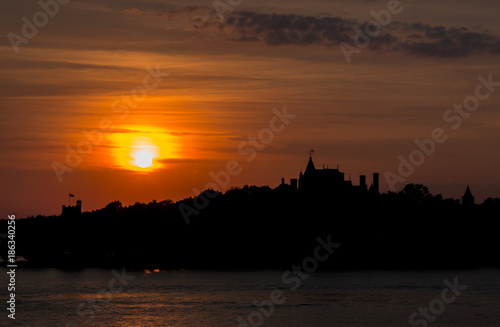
[375, 183]
[72, 211]
[310, 169]
[468, 198]
[362, 182]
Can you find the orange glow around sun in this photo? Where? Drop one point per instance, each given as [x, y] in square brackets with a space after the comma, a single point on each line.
[141, 149]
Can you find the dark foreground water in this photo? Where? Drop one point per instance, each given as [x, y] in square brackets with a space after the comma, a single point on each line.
[203, 298]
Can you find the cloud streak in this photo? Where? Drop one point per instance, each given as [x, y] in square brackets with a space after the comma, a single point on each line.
[299, 30]
[439, 41]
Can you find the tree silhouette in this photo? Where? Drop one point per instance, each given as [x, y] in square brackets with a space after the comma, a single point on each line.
[256, 227]
[417, 192]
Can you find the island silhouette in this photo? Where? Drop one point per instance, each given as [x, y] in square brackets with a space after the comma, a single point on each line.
[259, 227]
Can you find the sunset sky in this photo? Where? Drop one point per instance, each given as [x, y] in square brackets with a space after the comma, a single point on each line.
[87, 65]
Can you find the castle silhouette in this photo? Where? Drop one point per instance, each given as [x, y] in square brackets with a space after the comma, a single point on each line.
[329, 181]
[272, 228]
[313, 181]
[332, 181]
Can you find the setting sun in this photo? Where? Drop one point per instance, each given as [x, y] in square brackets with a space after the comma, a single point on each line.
[144, 159]
[141, 149]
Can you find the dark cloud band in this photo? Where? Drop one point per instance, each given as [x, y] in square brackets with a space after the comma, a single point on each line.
[277, 29]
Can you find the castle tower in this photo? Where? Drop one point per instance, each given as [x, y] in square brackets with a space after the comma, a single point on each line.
[468, 198]
[375, 183]
[362, 182]
[72, 211]
[310, 169]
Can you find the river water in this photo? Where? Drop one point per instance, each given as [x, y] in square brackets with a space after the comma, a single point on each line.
[96, 297]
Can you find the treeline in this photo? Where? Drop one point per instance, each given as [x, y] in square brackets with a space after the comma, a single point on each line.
[263, 228]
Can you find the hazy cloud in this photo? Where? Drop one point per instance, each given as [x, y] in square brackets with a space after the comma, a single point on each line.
[280, 29]
[439, 41]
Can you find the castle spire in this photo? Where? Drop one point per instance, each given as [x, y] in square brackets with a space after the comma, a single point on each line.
[468, 198]
[468, 193]
[310, 166]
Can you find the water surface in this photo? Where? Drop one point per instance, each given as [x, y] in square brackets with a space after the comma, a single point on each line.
[50, 297]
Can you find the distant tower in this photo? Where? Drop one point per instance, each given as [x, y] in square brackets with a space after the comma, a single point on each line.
[468, 198]
[375, 183]
[282, 181]
[362, 182]
[72, 211]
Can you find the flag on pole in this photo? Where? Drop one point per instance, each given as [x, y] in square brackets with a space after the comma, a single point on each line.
[71, 195]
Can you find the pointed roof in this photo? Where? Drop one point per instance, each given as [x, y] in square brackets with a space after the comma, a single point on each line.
[468, 193]
[310, 166]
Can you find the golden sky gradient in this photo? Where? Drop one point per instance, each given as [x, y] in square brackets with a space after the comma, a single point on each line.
[224, 79]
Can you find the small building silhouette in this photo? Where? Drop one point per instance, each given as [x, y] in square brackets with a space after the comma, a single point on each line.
[468, 198]
[72, 211]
